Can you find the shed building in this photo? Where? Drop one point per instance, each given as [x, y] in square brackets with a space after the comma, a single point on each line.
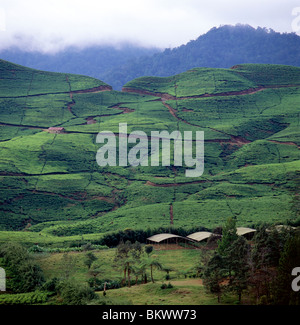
[244, 231]
[53, 129]
[200, 236]
[168, 239]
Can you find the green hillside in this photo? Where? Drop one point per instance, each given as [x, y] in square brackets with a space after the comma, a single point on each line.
[53, 190]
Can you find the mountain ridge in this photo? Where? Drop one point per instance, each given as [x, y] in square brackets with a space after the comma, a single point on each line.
[220, 47]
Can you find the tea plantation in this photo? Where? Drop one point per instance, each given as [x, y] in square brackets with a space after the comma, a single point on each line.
[54, 193]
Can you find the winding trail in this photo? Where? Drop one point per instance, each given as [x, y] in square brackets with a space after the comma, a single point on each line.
[25, 126]
[83, 91]
[288, 143]
[234, 140]
[175, 184]
[166, 96]
[124, 110]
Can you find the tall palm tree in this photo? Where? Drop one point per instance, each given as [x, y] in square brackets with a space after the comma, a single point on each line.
[150, 261]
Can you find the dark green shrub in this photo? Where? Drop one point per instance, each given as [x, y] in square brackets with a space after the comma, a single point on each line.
[74, 293]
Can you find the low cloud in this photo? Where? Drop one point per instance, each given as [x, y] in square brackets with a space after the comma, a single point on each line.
[50, 26]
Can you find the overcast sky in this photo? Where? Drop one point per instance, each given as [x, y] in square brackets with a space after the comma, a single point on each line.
[51, 25]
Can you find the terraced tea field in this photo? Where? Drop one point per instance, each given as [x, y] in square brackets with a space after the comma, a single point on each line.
[53, 192]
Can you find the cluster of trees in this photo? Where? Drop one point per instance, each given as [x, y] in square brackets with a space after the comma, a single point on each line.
[265, 267]
[24, 275]
[134, 259]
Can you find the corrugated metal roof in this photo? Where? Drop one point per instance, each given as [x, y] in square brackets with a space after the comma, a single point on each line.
[244, 230]
[160, 237]
[197, 236]
[201, 235]
[284, 227]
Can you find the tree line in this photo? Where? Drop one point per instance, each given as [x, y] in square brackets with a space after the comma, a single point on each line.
[262, 267]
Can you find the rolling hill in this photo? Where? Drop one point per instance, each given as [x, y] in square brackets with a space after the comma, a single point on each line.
[54, 192]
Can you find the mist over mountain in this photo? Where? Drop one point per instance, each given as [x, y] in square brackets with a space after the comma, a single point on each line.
[220, 47]
[94, 61]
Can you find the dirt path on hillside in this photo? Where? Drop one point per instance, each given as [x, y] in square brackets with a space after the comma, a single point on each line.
[189, 282]
[171, 214]
[83, 91]
[70, 105]
[25, 126]
[289, 143]
[166, 96]
[94, 90]
[149, 183]
[124, 110]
